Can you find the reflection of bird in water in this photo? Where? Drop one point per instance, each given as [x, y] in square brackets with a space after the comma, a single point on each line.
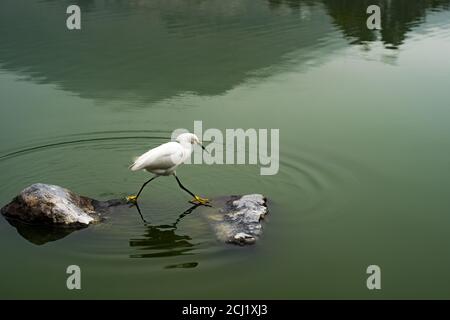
[164, 160]
[161, 240]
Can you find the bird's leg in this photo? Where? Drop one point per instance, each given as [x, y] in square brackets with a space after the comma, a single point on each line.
[132, 198]
[196, 198]
[140, 213]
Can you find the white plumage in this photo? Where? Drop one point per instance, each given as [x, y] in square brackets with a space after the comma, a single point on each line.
[165, 159]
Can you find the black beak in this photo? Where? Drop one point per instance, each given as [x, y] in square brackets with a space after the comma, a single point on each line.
[203, 147]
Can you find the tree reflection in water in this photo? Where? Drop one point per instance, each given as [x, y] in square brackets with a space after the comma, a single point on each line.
[398, 17]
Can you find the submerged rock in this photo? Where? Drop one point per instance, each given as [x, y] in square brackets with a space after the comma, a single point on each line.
[53, 205]
[237, 219]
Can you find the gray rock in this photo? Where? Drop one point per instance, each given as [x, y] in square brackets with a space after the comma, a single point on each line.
[53, 205]
[238, 219]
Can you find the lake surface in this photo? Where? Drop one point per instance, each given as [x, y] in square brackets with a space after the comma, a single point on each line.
[364, 144]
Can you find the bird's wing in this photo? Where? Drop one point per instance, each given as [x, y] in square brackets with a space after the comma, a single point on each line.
[163, 157]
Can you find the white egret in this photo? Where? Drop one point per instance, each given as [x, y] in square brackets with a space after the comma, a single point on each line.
[164, 159]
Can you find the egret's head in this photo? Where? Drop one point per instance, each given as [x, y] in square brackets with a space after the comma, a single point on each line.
[189, 138]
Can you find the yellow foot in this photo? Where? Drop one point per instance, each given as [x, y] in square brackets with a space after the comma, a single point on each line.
[199, 200]
[131, 199]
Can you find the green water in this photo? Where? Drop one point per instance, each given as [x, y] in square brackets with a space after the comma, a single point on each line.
[364, 144]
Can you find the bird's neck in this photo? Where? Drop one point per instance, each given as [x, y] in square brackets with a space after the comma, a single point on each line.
[187, 147]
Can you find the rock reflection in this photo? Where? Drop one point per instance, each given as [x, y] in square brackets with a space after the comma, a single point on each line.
[40, 234]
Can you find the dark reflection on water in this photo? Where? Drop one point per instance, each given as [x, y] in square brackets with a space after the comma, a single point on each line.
[397, 16]
[40, 234]
[163, 240]
[186, 265]
[153, 50]
[150, 50]
[173, 47]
